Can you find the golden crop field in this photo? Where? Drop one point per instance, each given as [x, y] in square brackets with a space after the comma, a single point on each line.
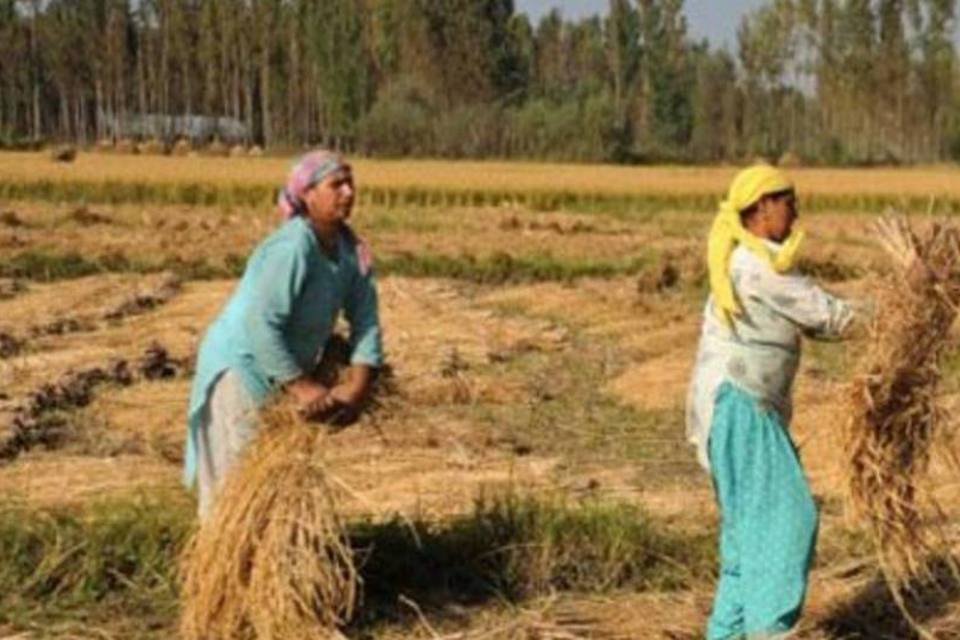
[524, 475]
[940, 181]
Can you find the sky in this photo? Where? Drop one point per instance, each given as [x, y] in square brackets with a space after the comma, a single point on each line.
[716, 20]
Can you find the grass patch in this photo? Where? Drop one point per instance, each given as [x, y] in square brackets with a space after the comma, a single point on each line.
[46, 267]
[219, 194]
[131, 192]
[382, 220]
[113, 565]
[50, 267]
[234, 194]
[513, 548]
[503, 268]
[500, 268]
[112, 559]
[568, 414]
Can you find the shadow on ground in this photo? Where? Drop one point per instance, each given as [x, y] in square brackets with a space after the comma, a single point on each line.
[873, 613]
[511, 549]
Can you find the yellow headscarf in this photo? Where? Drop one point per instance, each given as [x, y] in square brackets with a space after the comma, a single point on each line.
[747, 188]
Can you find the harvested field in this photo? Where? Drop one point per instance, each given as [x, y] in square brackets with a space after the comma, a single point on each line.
[525, 474]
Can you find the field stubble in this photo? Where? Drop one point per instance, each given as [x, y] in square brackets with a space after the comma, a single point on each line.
[533, 437]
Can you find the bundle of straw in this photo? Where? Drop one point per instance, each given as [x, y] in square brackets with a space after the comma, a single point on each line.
[896, 423]
[272, 562]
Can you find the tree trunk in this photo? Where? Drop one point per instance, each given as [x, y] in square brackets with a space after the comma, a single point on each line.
[64, 111]
[265, 90]
[99, 110]
[37, 123]
[142, 52]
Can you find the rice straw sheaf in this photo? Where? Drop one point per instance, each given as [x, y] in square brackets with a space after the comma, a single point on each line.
[272, 562]
[896, 425]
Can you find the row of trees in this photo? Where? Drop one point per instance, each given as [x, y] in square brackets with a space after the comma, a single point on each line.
[837, 81]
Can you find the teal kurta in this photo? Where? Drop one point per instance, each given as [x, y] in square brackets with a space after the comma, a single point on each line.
[276, 323]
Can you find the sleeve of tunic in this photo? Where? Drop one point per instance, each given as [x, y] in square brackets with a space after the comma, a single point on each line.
[800, 300]
[362, 312]
[281, 276]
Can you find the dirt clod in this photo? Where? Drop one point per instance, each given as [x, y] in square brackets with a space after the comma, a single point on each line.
[146, 301]
[39, 419]
[63, 153]
[85, 217]
[10, 218]
[156, 363]
[11, 288]
[9, 345]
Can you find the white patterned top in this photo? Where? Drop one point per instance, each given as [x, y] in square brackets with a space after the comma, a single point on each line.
[761, 353]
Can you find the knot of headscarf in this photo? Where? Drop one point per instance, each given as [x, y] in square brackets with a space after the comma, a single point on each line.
[747, 188]
[307, 172]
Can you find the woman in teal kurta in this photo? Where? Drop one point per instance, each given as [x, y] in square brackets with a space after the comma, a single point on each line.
[273, 329]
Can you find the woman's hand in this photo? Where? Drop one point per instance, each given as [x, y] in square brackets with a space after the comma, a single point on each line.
[341, 405]
[311, 396]
[343, 402]
[316, 401]
[346, 395]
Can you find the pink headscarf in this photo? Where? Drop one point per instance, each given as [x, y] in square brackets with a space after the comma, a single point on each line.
[309, 170]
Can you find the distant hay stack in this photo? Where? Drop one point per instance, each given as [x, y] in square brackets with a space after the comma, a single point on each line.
[151, 147]
[181, 148]
[272, 562]
[126, 146]
[896, 423]
[238, 151]
[63, 153]
[256, 151]
[216, 148]
[790, 160]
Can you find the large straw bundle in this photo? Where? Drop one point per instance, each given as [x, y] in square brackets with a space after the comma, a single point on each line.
[272, 562]
[896, 423]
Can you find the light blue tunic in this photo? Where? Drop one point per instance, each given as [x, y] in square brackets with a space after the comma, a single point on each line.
[275, 325]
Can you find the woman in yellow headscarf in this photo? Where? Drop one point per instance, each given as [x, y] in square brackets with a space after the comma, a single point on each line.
[739, 404]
